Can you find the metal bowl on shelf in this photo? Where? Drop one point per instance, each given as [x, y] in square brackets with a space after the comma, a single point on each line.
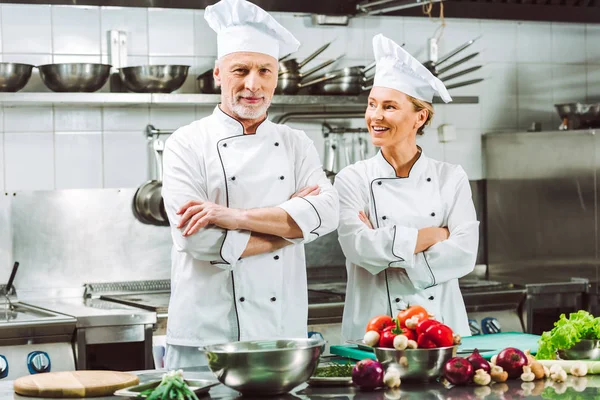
[584, 350]
[579, 115]
[265, 367]
[416, 364]
[154, 78]
[14, 76]
[74, 77]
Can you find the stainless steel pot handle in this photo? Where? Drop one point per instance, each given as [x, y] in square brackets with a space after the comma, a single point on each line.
[320, 66]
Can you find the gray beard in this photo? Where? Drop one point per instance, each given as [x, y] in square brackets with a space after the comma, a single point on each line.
[249, 112]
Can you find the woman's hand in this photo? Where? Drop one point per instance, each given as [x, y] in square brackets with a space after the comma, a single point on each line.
[363, 217]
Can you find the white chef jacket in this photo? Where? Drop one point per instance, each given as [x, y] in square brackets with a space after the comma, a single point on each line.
[384, 274]
[217, 297]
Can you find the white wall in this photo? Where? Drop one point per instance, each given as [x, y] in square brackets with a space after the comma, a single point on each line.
[527, 66]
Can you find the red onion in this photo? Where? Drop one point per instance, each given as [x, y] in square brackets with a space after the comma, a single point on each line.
[512, 361]
[368, 374]
[479, 362]
[458, 371]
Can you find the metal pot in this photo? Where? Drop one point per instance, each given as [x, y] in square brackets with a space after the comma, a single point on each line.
[205, 83]
[347, 89]
[352, 79]
[353, 71]
[302, 75]
[293, 85]
[148, 204]
[293, 66]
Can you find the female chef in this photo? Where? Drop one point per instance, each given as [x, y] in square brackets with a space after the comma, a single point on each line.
[408, 226]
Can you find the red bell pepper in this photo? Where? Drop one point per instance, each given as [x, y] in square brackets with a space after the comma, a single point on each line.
[423, 325]
[439, 334]
[387, 336]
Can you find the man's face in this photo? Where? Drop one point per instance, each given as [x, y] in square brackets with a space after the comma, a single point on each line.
[248, 81]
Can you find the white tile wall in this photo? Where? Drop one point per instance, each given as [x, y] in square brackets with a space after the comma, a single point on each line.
[76, 30]
[1, 164]
[535, 42]
[77, 119]
[171, 33]
[78, 160]
[525, 67]
[568, 43]
[593, 83]
[26, 29]
[125, 159]
[134, 21]
[535, 95]
[205, 39]
[172, 118]
[126, 119]
[28, 119]
[29, 161]
[592, 34]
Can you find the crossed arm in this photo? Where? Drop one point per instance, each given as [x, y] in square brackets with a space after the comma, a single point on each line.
[269, 227]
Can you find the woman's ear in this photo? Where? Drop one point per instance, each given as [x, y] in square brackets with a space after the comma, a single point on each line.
[421, 118]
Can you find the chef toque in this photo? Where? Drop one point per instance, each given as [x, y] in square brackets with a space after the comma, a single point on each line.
[243, 26]
[397, 69]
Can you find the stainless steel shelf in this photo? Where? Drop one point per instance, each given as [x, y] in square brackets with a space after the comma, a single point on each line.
[189, 100]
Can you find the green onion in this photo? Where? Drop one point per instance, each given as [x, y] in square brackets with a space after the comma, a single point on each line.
[334, 371]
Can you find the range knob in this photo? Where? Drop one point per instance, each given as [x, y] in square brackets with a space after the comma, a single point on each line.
[38, 362]
[3, 367]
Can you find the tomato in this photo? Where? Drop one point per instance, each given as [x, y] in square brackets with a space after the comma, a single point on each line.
[423, 325]
[379, 323]
[439, 334]
[410, 312]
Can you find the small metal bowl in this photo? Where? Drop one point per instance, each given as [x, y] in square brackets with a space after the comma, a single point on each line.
[74, 77]
[416, 364]
[14, 76]
[584, 350]
[154, 78]
[264, 367]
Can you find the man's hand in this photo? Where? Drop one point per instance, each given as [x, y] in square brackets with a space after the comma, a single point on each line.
[307, 191]
[198, 214]
[363, 217]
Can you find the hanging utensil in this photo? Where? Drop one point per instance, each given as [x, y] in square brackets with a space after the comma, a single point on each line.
[457, 63]
[465, 83]
[460, 73]
[11, 279]
[454, 52]
[293, 66]
[327, 63]
[284, 57]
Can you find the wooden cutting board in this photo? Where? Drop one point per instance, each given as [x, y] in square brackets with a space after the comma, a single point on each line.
[74, 384]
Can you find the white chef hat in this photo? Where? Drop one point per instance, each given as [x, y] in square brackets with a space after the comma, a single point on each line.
[243, 26]
[397, 69]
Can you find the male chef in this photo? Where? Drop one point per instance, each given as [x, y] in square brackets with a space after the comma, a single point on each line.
[243, 195]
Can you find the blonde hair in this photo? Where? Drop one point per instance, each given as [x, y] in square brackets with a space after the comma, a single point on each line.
[419, 105]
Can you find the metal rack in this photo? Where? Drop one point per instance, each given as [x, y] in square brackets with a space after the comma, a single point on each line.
[182, 100]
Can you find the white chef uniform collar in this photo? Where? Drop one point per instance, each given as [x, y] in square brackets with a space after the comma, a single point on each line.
[397, 69]
[243, 26]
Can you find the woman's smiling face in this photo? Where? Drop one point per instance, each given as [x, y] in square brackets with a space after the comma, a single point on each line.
[391, 117]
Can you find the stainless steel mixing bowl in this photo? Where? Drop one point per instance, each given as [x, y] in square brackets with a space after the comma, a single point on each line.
[584, 350]
[74, 77]
[416, 364]
[14, 76]
[154, 78]
[264, 367]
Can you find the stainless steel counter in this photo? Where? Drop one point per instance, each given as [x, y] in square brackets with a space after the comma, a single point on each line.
[585, 388]
[96, 312]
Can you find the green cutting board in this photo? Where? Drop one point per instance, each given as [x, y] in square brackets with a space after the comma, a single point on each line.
[489, 344]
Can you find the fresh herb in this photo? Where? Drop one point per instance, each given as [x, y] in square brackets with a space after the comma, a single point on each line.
[334, 371]
[172, 387]
[568, 332]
